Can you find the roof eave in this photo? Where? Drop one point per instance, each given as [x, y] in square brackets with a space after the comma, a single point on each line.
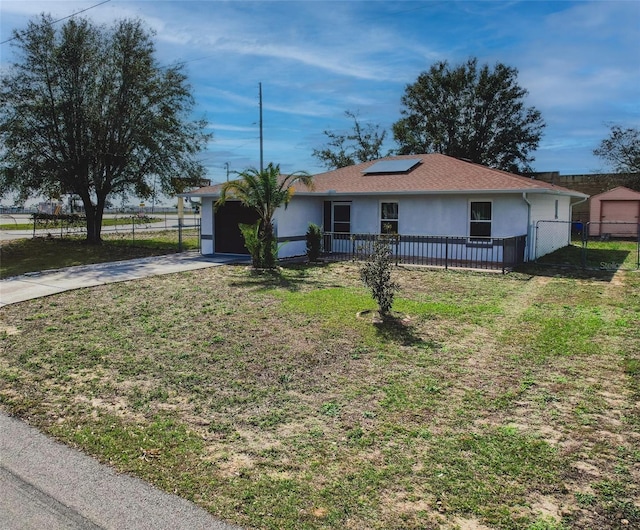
[331, 193]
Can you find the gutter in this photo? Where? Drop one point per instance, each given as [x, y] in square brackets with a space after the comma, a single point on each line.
[422, 193]
[572, 204]
[438, 192]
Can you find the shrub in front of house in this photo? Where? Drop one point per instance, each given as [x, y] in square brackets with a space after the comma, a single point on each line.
[376, 275]
[314, 242]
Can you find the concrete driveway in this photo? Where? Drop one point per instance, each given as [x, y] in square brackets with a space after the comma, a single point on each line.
[45, 283]
[44, 484]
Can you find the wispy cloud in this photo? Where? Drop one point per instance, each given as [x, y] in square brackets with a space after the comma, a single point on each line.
[580, 62]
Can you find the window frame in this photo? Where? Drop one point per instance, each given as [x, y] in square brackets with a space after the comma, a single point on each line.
[333, 216]
[471, 221]
[391, 220]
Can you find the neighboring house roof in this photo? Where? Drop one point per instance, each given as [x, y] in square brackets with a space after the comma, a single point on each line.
[434, 173]
[619, 193]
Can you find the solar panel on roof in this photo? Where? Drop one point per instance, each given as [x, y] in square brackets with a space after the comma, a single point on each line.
[393, 166]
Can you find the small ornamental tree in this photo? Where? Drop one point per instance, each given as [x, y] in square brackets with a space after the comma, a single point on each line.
[376, 275]
[314, 242]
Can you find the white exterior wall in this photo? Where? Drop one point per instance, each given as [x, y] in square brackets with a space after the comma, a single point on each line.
[206, 226]
[549, 232]
[293, 223]
[439, 215]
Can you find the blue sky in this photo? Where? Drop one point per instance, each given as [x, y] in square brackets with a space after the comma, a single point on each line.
[580, 62]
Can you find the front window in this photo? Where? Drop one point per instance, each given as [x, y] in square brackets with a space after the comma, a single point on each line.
[389, 218]
[480, 220]
[342, 217]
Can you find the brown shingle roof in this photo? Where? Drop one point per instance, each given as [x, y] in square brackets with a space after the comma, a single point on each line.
[435, 174]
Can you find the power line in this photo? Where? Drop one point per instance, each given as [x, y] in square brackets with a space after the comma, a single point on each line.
[59, 20]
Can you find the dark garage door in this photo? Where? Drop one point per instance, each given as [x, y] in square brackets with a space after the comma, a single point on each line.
[228, 238]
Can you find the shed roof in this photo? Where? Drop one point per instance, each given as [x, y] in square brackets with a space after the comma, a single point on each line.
[619, 193]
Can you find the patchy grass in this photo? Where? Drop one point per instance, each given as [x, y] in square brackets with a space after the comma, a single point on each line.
[29, 255]
[509, 402]
[610, 255]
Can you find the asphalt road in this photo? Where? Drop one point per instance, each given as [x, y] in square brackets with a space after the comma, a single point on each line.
[47, 485]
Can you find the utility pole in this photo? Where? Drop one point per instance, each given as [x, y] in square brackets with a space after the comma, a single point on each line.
[261, 156]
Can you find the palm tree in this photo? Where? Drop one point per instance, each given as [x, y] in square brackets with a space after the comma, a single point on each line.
[264, 191]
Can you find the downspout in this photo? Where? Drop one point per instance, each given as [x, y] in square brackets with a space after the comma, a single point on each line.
[529, 231]
[572, 204]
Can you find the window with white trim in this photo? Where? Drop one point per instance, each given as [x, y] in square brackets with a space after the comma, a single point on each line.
[388, 217]
[480, 219]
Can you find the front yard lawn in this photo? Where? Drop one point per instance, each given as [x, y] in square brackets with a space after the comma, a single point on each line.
[492, 401]
[20, 256]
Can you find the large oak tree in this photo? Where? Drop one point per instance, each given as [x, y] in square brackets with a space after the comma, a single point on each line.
[472, 112]
[87, 110]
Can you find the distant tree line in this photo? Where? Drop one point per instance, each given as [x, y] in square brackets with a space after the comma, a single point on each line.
[467, 111]
[477, 113]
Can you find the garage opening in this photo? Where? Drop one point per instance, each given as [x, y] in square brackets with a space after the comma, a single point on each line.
[227, 236]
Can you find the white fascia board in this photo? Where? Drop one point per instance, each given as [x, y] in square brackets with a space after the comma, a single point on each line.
[441, 192]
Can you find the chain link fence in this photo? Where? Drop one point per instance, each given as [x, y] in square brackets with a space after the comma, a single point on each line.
[161, 230]
[551, 236]
[609, 246]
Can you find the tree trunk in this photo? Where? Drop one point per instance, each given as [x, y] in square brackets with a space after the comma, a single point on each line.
[94, 215]
[270, 250]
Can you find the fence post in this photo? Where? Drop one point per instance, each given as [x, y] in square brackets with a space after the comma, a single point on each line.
[638, 248]
[179, 234]
[446, 253]
[504, 246]
[397, 238]
[585, 240]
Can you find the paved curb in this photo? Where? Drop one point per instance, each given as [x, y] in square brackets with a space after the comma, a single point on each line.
[44, 484]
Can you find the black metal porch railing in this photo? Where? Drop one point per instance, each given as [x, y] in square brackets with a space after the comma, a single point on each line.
[440, 251]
